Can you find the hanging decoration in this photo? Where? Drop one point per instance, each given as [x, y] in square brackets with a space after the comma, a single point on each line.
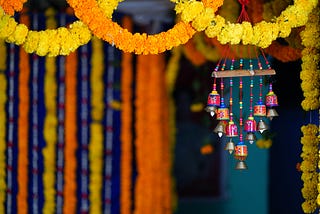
[237, 70]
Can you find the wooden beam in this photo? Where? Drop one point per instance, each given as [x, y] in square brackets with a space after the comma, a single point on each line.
[242, 73]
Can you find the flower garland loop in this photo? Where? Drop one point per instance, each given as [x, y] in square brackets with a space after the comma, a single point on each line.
[103, 27]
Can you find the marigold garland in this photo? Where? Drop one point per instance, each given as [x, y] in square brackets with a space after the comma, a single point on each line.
[310, 73]
[170, 79]
[92, 15]
[96, 128]
[3, 116]
[308, 167]
[50, 126]
[69, 191]
[61, 41]
[23, 124]
[126, 127]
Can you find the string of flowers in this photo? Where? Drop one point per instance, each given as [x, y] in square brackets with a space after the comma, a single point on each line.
[166, 160]
[69, 193]
[96, 128]
[3, 119]
[50, 125]
[310, 74]
[61, 41]
[171, 74]
[310, 159]
[103, 27]
[23, 124]
[143, 181]
[126, 127]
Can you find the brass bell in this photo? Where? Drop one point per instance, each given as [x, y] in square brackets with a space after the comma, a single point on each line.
[251, 137]
[241, 165]
[211, 109]
[229, 147]
[272, 113]
[262, 126]
[220, 129]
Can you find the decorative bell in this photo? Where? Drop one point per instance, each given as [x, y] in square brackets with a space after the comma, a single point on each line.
[272, 113]
[262, 126]
[241, 165]
[250, 125]
[229, 147]
[231, 129]
[271, 99]
[259, 109]
[220, 129]
[240, 153]
[223, 113]
[213, 102]
[251, 137]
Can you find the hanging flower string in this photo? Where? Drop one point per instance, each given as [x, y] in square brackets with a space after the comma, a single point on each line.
[50, 125]
[310, 75]
[23, 121]
[3, 121]
[70, 148]
[310, 159]
[126, 127]
[96, 128]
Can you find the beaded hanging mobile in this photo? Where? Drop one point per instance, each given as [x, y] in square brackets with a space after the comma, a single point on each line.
[236, 70]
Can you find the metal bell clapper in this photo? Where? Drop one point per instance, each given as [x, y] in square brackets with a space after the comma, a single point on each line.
[240, 154]
[262, 126]
[213, 102]
[229, 146]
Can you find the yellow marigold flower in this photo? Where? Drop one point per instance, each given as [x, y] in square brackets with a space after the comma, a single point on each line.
[19, 35]
[309, 206]
[203, 20]
[193, 10]
[32, 41]
[247, 33]
[44, 43]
